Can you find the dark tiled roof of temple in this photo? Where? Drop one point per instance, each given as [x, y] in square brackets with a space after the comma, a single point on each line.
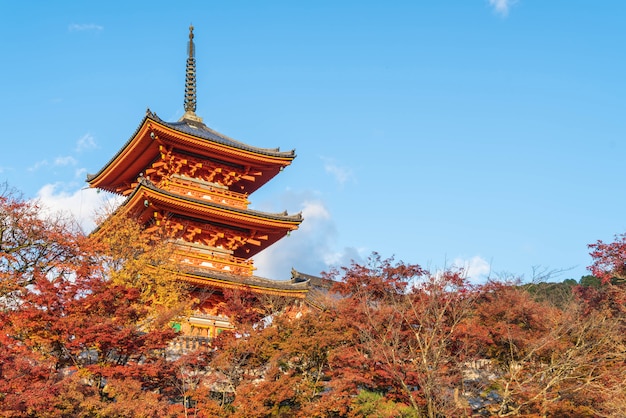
[318, 288]
[253, 281]
[200, 130]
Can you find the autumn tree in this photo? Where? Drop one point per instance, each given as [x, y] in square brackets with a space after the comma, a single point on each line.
[133, 256]
[32, 243]
[609, 259]
[72, 342]
[391, 336]
[88, 328]
[272, 363]
[605, 303]
[407, 328]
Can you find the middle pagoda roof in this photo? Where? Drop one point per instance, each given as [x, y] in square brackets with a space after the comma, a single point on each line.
[146, 198]
[193, 138]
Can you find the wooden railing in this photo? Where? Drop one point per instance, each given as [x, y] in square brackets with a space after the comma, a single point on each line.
[225, 263]
[208, 192]
[187, 343]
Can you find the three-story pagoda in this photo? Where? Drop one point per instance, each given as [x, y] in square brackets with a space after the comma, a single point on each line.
[188, 182]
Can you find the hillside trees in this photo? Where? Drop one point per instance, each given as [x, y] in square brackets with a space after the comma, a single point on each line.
[84, 332]
[395, 340]
[545, 360]
[408, 327]
[388, 344]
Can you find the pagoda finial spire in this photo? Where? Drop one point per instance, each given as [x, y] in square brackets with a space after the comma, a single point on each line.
[190, 81]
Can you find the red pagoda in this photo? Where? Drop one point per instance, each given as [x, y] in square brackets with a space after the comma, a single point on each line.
[190, 183]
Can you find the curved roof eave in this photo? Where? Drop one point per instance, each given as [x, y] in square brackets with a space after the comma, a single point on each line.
[198, 130]
[251, 282]
[91, 177]
[281, 217]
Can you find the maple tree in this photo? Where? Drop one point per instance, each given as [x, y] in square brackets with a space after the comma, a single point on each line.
[104, 358]
[609, 259]
[525, 342]
[390, 338]
[71, 340]
[31, 243]
[407, 325]
[609, 266]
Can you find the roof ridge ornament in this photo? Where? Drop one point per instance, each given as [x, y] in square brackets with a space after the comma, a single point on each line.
[190, 81]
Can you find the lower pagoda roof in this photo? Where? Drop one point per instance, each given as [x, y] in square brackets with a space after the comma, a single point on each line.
[313, 289]
[256, 284]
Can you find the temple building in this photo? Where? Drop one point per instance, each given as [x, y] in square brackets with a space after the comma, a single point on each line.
[192, 184]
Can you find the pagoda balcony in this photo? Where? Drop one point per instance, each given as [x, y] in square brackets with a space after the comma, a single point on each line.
[202, 190]
[203, 257]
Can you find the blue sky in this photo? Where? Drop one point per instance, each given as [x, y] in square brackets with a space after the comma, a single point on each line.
[484, 133]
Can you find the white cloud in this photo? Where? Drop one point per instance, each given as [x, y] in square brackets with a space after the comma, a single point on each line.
[502, 6]
[82, 205]
[476, 269]
[58, 162]
[341, 174]
[86, 142]
[63, 161]
[310, 249]
[80, 173]
[315, 210]
[76, 27]
[38, 165]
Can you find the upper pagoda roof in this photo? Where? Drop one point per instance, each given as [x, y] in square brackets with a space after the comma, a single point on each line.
[191, 137]
[199, 129]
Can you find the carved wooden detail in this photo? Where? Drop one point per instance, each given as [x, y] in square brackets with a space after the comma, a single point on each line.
[199, 189]
[220, 238]
[172, 163]
[213, 260]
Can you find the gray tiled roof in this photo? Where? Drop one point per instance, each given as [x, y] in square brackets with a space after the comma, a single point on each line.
[319, 288]
[200, 130]
[248, 280]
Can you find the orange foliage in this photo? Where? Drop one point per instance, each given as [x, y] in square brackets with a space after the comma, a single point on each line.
[81, 334]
